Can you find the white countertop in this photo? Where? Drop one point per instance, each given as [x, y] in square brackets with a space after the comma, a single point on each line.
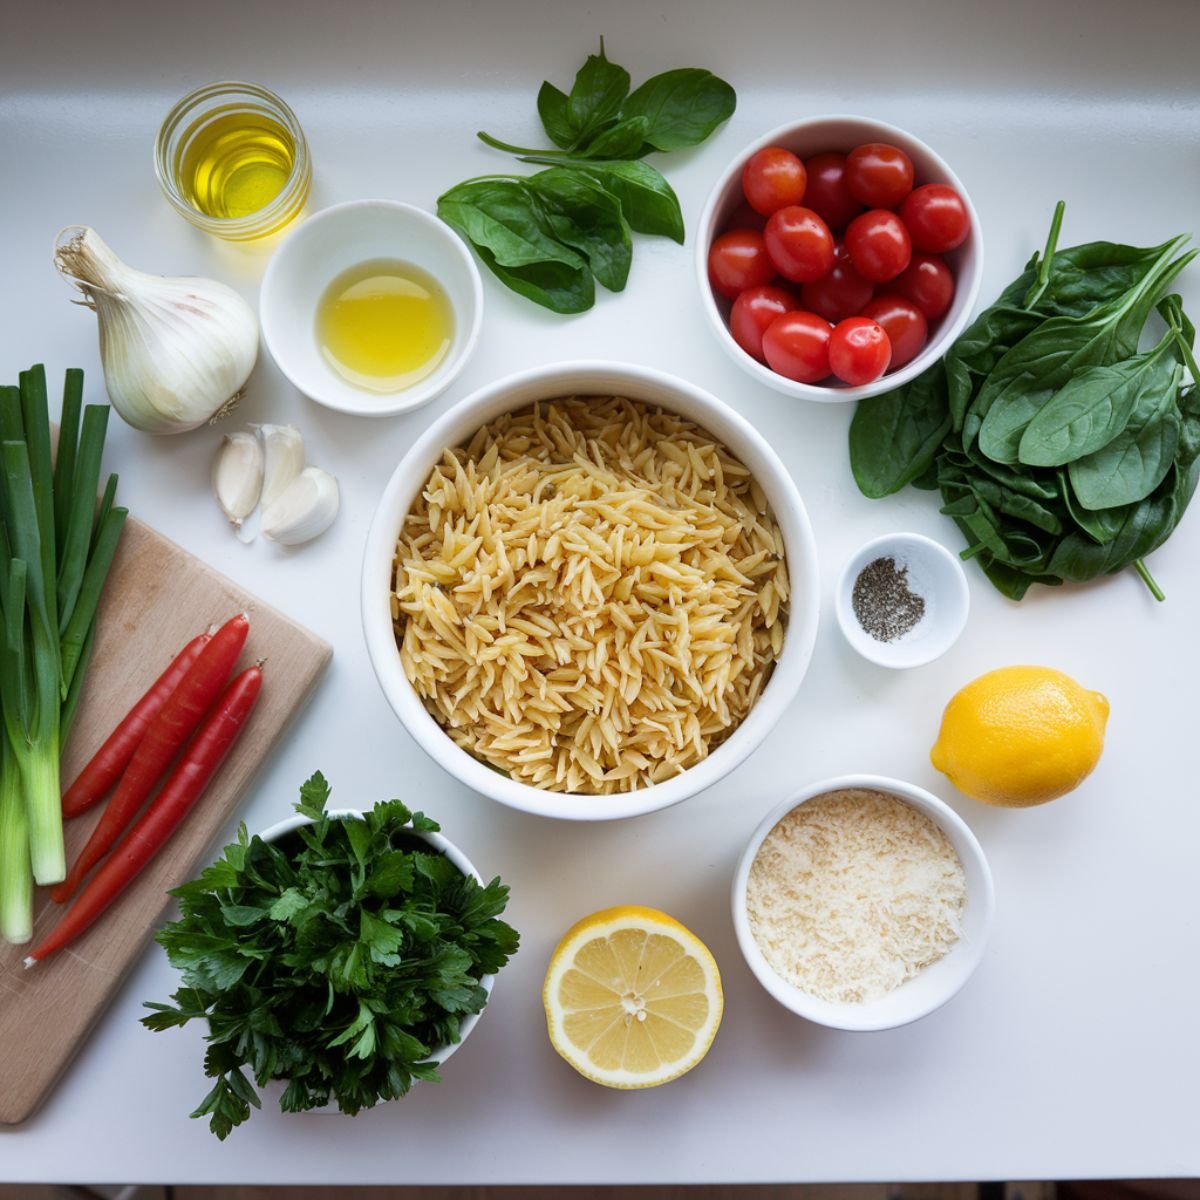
[1074, 1050]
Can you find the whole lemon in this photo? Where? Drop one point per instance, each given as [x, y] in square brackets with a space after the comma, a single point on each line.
[1020, 736]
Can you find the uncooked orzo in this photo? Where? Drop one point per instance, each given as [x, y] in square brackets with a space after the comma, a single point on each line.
[590, 595]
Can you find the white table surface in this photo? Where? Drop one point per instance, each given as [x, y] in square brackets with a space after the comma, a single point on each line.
[1074, 1050]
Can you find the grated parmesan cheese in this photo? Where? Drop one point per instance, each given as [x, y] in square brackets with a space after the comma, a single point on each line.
[853, 893]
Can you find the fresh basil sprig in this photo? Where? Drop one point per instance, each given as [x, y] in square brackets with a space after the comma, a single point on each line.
[1061, 451]
[549, 236]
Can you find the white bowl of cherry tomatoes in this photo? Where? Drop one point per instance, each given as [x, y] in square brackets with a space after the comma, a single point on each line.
[838, 258]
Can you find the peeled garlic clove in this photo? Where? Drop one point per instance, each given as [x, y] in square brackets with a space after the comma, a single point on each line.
[283, 450]
[238, 476]
[306, 508]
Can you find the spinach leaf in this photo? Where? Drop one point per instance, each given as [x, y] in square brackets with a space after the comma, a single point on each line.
[683, 107]
[895, 436]
[600, 88]
[552, 108]
[625, 139]
[1135, 462]
[583, 215]
[501, 217]
[647, 199]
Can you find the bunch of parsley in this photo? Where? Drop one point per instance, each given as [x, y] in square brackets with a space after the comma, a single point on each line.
[338, 958]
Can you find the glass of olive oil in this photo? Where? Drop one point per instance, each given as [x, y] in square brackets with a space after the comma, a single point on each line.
[232, 159]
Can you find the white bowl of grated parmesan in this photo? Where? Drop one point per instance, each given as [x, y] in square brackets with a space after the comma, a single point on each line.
[590, 590]
[863, 903]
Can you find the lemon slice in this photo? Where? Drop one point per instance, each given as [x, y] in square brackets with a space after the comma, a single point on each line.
[633, 999]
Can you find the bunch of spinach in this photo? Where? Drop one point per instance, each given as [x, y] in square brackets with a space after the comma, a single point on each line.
[549, 236]
[338, 958]
[1061, 450]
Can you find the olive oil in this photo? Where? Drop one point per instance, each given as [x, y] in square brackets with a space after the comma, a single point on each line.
[236, 164]
[384, 325]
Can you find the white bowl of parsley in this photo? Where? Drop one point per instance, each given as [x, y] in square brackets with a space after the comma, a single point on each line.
[346, 954]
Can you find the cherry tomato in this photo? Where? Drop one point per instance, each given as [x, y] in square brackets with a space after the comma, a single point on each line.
[753, 311]
[839, 294]
[903, 322]
[796, 345]
[772, 179]
[878, 175]
[928, 283]
[799, 243]
[827, 194]
[738, 260]
[936, 218]
[744, 217]
[879, 245]
[859, 351]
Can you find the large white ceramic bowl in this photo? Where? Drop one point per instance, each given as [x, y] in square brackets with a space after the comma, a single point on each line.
[933, 986]
[436, 842]
[590, 378]
[332, 241]
[819, 135]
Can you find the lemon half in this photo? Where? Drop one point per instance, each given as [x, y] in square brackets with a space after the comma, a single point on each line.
[633, 999]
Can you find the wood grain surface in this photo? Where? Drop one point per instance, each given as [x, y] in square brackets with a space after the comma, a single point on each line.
[157, 598]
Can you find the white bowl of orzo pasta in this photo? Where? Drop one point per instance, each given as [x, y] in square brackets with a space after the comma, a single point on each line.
[590, 590]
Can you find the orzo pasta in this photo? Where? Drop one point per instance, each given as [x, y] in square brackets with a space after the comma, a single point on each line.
[590, 595]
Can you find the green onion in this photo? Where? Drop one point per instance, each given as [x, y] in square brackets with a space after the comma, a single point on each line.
[55, 552]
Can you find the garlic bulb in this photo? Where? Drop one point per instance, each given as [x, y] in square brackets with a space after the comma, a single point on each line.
[306, 508]
[238, 476]
[283, 448]
[176, 351]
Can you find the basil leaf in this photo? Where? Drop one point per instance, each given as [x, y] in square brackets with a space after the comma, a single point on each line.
[552, 108]
[625, 139]
[683, 107]
[500, 217]
[581, 214]
[895, 436]
[647, 199]
[595, 99]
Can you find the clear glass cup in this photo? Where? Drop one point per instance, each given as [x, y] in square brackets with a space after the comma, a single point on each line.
[192, 118]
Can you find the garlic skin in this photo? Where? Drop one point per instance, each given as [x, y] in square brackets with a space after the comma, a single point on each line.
[176, 350]
[283, 450]
[305, 510]
[238, 476]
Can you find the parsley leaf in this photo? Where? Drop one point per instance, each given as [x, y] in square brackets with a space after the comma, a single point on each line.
[338, 959]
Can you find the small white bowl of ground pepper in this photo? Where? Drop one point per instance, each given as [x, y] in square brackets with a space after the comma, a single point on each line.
[902, 600]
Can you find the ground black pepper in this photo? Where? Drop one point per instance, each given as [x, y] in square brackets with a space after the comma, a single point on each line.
[883, 603]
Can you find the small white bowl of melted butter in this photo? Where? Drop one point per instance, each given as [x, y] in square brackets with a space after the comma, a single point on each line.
[372, 307]
[863, 902]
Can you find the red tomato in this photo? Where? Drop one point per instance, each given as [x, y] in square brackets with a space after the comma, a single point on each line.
[903, 322]
[799, 243]
[839, 294]
[859, 351]
[738, 260]
[796, 345]
[753, 311]
[878, 175]
[772, 179]
[879, 245]
[744, 217]
[827, 194]
[936, 218]
[928, 283]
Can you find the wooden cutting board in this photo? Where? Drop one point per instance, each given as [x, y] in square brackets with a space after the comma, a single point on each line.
[158, 597]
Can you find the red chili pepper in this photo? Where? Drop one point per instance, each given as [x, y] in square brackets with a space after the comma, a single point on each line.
[113, 757]
[183, 711]
[181, 791]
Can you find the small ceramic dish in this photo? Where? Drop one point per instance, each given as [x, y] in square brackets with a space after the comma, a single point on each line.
[818, 135]
[932, 573]
[933, 986]
[333, 241]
